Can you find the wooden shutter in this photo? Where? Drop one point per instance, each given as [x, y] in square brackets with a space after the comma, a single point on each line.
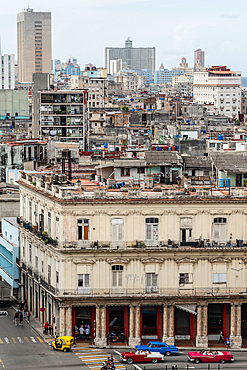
[120, 278]
[85, 232]
[149, 231]
[87, 280]
[155, 280]
[148, 280]
[114, 278]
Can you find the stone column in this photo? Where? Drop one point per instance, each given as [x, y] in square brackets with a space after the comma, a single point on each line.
[103, 326]
[137, 325]
[202, 325]
[236, 321]
[62, 313]
[97, 319]
[165, 323]
[69, 321]
[132, 326]
[170, 326]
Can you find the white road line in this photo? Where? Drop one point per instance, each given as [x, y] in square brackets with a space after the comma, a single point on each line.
[6, 340]
[117, 352]
[137, 367]
[19, 339]
[33, 340]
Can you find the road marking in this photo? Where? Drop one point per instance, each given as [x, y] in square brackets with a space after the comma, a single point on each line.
[13, 339]
[20, 340]
[1, 362]
[137, 367]
[117, 352]
[1, 341]
[6, 340]
[41, 341]
[28, 341]
[33, 340]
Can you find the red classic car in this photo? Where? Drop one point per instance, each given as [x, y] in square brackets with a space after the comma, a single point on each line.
[141, 356]
[210, 356]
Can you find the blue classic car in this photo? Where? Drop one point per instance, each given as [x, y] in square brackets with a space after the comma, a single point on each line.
[161, 347]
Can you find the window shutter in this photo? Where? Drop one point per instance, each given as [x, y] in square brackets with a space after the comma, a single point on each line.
[120, 232]
[148, 280]
[114, 278]
[155, 280]
[216, 232]
[114, 232]
[120, 278]
[86, 280]
[149, 232]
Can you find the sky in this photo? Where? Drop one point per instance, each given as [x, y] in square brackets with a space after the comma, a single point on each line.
[82, 28]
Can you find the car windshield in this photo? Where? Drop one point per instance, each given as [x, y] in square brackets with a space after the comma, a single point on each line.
[149, 345]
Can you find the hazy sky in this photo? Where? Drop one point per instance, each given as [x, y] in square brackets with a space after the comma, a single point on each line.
[82, 28]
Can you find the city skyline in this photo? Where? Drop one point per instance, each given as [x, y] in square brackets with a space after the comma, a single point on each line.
[175, 28]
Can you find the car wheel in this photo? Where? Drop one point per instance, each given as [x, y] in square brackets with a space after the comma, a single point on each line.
[130, 360]
[168, 353]
[66, 350]
[222, 361]
[154, 360]
[197, 361]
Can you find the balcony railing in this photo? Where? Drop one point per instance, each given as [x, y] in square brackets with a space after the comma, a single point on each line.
[33, 229]
[157, 292]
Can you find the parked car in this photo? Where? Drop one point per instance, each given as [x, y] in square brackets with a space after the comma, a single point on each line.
[141, 356]
[160, 347]
[210, 356]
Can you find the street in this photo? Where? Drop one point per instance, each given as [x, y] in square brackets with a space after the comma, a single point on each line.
[21, 348]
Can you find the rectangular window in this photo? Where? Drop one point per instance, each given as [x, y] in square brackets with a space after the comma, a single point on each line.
[125, 171]
[49, 274]
[36, 262]
[30, 211]
[219, 278]
[141, 170]
[152, 230]
[30, 253]
[83, 229]
[83, 284]
[117, 232]
[42, 267]
[117, 279]
[185, 278]
[57, 279]
[49, 223]
[151, 283]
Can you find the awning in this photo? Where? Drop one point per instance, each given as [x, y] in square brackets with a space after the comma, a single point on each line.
[191, 308]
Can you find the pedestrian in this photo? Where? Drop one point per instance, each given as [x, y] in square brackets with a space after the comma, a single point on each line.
[76, 331]
[50, 329]
[221, 339]
[227, 342]
[87, 331]
[25, 310]
[28, 316]
[46, 326]
[81, 331]
[16, 318]
[21, 318]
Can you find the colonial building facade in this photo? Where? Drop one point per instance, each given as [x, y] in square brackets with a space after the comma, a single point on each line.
[155, 265]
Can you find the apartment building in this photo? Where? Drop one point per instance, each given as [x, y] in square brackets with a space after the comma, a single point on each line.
[8, 72]
[161, 264]
[130, 81]
[219, 86]
[33, 44]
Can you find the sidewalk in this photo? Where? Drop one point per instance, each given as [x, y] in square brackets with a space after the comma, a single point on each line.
[37, 327]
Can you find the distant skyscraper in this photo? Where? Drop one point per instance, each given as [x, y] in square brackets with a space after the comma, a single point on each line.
[8, 72]
[199, 58]
[132, 58]
[33, 44]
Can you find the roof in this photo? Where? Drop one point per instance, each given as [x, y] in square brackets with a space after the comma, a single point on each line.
[197, 162]
[231, 162]
[163, 158]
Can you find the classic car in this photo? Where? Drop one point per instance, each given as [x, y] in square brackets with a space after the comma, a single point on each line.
[210, 356]
[160, 347]
[141, 356]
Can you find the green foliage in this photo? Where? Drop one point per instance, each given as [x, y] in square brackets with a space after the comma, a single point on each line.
[125, 109]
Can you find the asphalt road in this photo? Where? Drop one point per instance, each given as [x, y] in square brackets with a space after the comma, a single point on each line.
[22, 349]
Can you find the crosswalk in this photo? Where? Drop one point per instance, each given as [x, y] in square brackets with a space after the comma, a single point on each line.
[13, 340]
[94, 358]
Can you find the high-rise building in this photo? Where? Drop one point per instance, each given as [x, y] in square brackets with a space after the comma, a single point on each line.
[199, 58]
[33, 44]
[132, 58]
[219, 86]
[8, 72]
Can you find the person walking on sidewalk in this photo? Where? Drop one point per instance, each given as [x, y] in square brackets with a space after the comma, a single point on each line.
[21, 318]
[46, 326]
[81, 331]
[221, 339]
[16, 318]
[28, 316]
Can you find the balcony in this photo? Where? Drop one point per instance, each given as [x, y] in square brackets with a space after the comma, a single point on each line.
[186, 291]
[47, 286]
[34, 230]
